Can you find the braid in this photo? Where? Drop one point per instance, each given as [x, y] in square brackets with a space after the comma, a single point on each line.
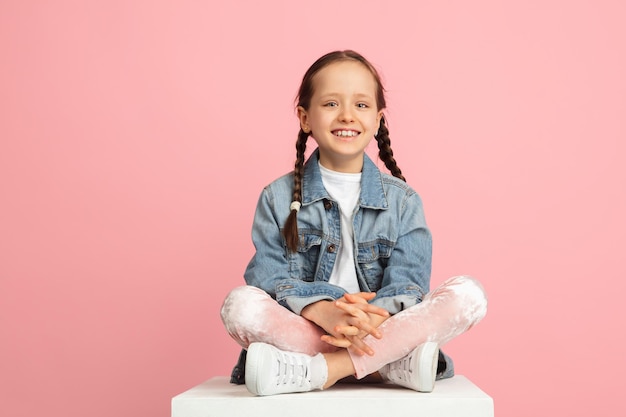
[290, 231]
[385, 153]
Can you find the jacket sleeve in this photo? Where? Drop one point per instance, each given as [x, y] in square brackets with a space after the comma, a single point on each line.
[406, 278]
[269, 267]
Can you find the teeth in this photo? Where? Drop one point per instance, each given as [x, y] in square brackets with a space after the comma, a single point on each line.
[346, 133]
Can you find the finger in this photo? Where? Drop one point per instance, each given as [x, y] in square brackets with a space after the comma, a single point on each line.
[348, 330]
[359, 345]
[354, 298]
[359, 329]
[355, 310]
[335, 341]
[370, 308]
[356, 346]
[360, 297]
[366, 295]
[365, 329]
[353, 343]
[356, 350]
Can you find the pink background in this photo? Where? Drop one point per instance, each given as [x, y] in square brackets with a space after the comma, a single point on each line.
[135, 138]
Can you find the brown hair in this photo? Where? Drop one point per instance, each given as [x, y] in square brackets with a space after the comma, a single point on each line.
[303, 100]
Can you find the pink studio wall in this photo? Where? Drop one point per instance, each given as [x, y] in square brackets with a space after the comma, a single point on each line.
[135, 137]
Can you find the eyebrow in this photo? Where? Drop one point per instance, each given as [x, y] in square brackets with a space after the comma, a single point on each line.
[358, 95]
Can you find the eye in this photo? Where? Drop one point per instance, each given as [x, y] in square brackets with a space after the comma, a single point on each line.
[331, 104]
[362, 105]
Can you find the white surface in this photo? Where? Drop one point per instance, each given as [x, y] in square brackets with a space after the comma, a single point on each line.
[454, 397]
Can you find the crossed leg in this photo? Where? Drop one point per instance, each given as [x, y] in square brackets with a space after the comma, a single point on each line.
[251, 315]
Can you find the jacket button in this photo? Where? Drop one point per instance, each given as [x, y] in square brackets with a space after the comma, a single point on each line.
[327, 204]
[332, 248]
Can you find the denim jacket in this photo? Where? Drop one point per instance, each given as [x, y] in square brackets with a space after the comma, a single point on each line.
[393, 246]
[392, 243]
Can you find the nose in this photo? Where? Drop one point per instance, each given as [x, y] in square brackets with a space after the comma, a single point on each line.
[346, 114]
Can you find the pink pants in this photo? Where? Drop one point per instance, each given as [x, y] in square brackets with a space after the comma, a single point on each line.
[251, 315]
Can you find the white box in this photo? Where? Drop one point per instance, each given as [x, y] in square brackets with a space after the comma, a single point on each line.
[453, 397]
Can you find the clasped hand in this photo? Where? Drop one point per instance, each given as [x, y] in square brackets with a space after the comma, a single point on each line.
[348, 320]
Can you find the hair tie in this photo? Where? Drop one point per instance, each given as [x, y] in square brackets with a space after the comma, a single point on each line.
[295, 205]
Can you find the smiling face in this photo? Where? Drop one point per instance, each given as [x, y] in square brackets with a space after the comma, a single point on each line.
[342, 115]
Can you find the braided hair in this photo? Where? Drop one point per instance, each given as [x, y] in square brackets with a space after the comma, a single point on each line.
[290, 230]
[384, 150]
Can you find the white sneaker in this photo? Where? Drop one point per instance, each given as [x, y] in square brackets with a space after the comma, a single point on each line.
[417, 370]
[271, 371]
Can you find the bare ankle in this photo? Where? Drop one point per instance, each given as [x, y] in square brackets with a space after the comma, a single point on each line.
[339, 366]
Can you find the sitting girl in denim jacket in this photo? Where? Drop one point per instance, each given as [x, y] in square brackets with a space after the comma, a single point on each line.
[339, 283]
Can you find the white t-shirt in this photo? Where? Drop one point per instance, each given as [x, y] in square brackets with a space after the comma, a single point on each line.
[345, 189]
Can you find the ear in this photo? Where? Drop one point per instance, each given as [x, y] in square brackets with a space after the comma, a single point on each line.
[379, 117]
[304, 119]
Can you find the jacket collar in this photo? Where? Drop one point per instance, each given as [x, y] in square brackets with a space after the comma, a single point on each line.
[372, 192]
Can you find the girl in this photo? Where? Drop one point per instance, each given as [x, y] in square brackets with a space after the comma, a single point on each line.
[339, 283]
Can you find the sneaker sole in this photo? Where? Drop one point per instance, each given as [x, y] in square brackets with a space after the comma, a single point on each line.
[255, 352]
[427, 365]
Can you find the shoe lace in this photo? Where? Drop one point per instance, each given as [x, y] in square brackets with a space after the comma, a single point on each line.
[402, 368]
[292, 370]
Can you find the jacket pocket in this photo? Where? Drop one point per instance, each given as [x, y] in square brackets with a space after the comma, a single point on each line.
[372, 258]
[307, 257]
